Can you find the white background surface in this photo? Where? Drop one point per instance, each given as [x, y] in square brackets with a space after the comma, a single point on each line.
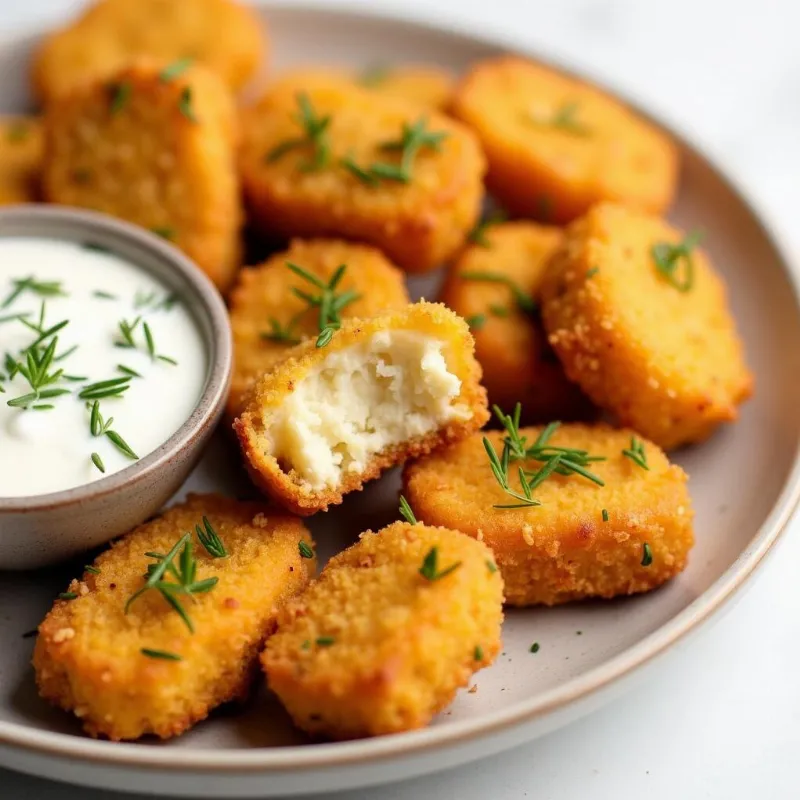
[725, 721]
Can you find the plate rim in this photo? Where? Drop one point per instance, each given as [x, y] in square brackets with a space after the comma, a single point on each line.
[42, 743]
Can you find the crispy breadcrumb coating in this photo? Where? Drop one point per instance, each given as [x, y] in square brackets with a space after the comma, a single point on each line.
[564, 549]
[666, 362]
[156, 153]
[88, 657]
[264, 293]
[20, 159]
[418, 224]
[518, 363]
[373, 647]
[556, 145]
[225, 36]
[280, 473]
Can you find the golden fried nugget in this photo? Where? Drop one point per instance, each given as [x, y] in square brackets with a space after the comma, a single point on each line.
[324, 158]
[155, 152]
[556, 145]
[267, 318]
[125, 675]
[20, 159]
[328, 419]
[225, 36]
[374, 646]
[510, 344]
[584, 540]
[657, 347]
[426, 86]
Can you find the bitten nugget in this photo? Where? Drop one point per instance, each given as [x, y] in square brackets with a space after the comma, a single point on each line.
[267, 317]
[125, 675]
[225, 36]
[20, 159]
[642, 323]
[584, 540]
[327, 419]
[156, 152]
[392, 628]
[494, 285]
[556, 145]
[329, 159]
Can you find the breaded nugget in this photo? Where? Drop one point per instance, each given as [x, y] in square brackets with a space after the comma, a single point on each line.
[324, 158]
[328, 419]
[656, 346]
[374, 646]
[510, 343]
[125, 675]
[20, 159]
[225, 36]
[584, 540]
[556, 145]
[156, 152]
[267, 318]
[424, 85]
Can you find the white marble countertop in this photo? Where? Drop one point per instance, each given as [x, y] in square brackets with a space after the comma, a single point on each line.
[725, 722]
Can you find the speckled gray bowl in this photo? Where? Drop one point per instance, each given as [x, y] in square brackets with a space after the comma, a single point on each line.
[36, 531]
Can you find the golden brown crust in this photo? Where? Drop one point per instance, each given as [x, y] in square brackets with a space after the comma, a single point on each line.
[667, 363]
[225, 36]
[265, 292]
[287, 488]
[146, 159]
[556, 173]
[401, 645]
[418, 224]
[20, 159]
[563, 550]
[88, 655]
[517, 361]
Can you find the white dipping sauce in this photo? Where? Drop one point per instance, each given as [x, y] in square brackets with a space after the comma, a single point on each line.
[47, 450]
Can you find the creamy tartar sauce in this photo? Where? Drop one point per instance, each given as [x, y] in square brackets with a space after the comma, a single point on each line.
[114, 322]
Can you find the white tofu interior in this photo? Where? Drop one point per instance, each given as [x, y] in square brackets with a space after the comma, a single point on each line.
[361, 400]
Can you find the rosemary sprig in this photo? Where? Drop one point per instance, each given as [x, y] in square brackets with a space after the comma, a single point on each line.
[131, 373]
[636, 453]
[412, 139]
[564, 118]
[279, 333]
[330, 303]
[667, 258]
[185, 104]
[113, 387]
[523, 300]
[98, 462]
[430, 567]
[36, 371]
[101, 295]
[364, 175]
[315, 137]
[478, 233]
[406, 512]
[184, 574]
[31, 284]
[647, 555]
[476, 321]
[305, 549]
[126, 330]
[173, 70]
[164, 655]
[210, 539]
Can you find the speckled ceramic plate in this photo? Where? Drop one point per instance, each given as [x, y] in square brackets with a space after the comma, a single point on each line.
[744, 481]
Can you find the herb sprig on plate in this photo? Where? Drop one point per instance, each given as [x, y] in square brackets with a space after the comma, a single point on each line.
[668, 257]
[315, 137]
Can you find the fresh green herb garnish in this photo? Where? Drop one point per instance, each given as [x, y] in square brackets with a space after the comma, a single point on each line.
[121, 445]
[329, 303]
[95, 248]
[101, 295]
[277, 333]
[68, 596]
[524, 301]
[412, 139]
[13, 317]
[559, 460]
[315, 137]
[647, 555]
[478, 653]
[210, 539]
[173, 70]
[636, 453]
[564, 119]
[113, 387]
[184, 574]
[97, 425]
[306, 645]
[119, 94]
[89, 568]
[590, 273]
[127, 330]
[491, 566]
[165, 232]
[667, 258]
[143, 300]
[30, 284]
[430, 570]
[185, 104]
[306, 551]
[478, 233]
[605, 515]
[131, 373]
[535, 647]
[165, 655]
[374, 75]
[476, 321]
[325, 641]
[36, 371]
[406, 511]
[499, 311]
[98, 462]
[364, 175]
